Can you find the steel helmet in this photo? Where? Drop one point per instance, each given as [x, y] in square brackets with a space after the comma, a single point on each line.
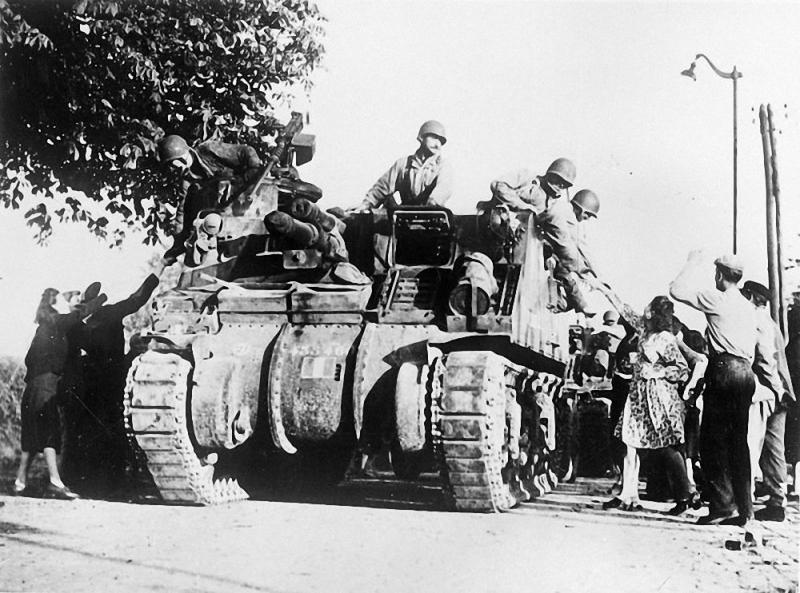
[212, 224]
[172, 147]
[564, 169]
[610, 316]
[587, 201]
[434, 128]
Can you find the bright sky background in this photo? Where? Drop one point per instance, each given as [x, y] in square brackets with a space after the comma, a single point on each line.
[518, 84]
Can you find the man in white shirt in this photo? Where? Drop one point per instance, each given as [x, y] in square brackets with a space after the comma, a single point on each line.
[730, 383]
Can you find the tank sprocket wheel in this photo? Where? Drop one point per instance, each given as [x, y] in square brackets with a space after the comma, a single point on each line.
[156, 404]
[470, 435]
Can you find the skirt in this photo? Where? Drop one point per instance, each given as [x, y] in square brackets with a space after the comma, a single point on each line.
[41, 420]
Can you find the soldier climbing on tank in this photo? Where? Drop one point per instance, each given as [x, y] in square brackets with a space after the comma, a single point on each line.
[522, 190]
[424, 178]
[212, 175]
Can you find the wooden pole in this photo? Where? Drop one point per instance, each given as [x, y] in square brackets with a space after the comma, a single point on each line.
[776, 194]
[735, 163]
[771, 230]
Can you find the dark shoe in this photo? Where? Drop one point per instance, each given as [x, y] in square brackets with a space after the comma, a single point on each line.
[681, 507]
[760, 490]
[735, 521]
[771, 513]
[632, 507]
[612, 504]
[59, 492]
[695, 501]
[715, 518]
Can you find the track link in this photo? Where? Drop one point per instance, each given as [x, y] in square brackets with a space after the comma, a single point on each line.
[156, 416]
[468, 427]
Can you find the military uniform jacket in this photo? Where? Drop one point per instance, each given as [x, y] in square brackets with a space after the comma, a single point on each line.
[216, 160]
[522, 190]
[417, 180]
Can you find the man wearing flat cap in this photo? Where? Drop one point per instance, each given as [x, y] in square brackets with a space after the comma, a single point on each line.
[100, 450]
[774, 394]
[732, 335]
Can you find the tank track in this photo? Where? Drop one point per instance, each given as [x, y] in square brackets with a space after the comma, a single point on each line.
[156, 416]
[468, 431]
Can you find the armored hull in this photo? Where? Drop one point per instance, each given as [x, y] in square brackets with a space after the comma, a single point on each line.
[434, 349]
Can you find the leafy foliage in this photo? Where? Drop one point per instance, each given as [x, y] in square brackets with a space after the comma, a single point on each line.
[12, 384]
[88, 87]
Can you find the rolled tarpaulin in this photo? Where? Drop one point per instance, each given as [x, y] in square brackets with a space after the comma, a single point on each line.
[307, 211]
[475, 287]
[302, 233]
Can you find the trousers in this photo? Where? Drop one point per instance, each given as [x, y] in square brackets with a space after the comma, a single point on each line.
[773, 458]
[724, 453]
[760, 411]
[675, 465]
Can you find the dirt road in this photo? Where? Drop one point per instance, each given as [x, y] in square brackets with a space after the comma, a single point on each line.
[563, 543]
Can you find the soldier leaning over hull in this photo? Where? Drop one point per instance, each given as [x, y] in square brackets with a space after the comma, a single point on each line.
[231, 166]
[523, 190]
[585, 206]
[424, 178]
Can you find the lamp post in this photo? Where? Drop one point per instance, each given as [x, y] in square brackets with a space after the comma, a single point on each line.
[733, 75]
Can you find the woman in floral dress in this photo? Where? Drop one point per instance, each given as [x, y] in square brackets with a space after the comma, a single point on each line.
[653, 417]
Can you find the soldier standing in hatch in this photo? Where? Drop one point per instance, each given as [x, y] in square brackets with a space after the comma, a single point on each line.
[424, 178]
[232, 166]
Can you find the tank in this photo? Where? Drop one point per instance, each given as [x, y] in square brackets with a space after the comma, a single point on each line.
[300, 332]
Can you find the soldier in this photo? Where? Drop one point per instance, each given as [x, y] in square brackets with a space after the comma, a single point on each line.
[585, 206]
[424, 178]
[523, 190]
[212, 174]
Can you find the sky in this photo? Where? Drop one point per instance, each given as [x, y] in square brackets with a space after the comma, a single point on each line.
[518, 84]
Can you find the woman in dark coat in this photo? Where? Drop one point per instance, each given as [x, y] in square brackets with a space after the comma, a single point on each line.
[41, 426]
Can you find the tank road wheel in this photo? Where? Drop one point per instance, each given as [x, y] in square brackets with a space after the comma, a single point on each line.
[470, 433]
[410, 456]
[156, 403]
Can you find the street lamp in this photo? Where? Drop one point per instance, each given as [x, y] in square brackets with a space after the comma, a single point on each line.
[733, 75]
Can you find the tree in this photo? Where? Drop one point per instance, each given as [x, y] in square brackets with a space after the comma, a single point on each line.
[88, 87]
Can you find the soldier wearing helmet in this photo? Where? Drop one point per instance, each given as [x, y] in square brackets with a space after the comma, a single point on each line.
[585, 206]
[211, 175]
[422, 178]
[544, 195]
[524, 190]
